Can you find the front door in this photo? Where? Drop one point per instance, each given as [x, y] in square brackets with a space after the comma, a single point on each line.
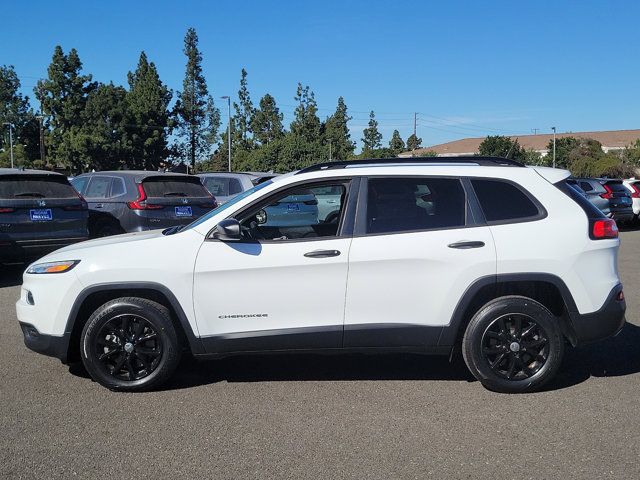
[283, 286]
[416, 249]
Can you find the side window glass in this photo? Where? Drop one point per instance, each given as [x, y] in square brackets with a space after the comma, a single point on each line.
[98, 187]
[503, 201]
[408, 204]
[117, 187]
[234, 186]
[586, 186]
[298, 213]
[79, 183]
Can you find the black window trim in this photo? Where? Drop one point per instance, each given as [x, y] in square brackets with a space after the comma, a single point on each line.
[542, 212]
[471, 214]
[345, 228]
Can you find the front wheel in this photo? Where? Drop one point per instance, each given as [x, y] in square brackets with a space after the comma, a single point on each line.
[513, 344]
[130, 344]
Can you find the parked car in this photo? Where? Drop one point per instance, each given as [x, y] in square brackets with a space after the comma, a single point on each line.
[503, 261]
[134, 201]
[226, 185]
[633, 185]
[39, 212]
[609, 192]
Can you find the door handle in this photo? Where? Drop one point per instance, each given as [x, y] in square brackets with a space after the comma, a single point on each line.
[100, 205]
[465, 244]
[322, 253]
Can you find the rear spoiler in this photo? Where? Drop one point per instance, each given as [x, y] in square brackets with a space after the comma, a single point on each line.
[552, 175]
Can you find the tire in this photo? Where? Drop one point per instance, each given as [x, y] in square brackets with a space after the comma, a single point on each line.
[130, 344]
[105, 228]
[513, 344]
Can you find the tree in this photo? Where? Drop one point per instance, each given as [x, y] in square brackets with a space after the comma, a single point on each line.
[267, 121]
[564, 146]
[631, 154]
[337, 133]
[396, 144]
[63, 96]
[501, 146]
[371, 139]
[148, 118]
[14, 109]
[306, 123]
[413, 142]
[196, 116]
[531, 157]
[243, 116]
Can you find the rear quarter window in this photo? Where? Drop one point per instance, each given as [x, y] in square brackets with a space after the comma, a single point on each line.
[502, 201]
[13, 187]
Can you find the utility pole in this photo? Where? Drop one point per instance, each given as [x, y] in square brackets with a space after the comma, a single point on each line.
[415, 136]
[228, 99]
[535, 131]
[554, 146]
[11, 127]
[329, 149]
[40, 118]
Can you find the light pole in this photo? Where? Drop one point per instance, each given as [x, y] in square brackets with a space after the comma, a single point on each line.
[554, 146]
[11, 127]
[228, 99]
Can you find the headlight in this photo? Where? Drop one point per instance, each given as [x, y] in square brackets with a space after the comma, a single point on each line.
[53, 267]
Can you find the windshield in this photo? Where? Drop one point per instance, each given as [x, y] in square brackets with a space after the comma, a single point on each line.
[228, 204]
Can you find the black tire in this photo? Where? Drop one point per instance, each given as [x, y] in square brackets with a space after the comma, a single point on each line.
[130, 344]
[513, 344]
[105, 228]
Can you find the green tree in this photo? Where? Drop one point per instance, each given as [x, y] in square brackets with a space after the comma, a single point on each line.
[413, 142]
[243, 117]
[396, 144]
[564, 146]
[63, 96]
[267, 121]
[371, 137]
[14, 109]
[501, 146]
[197, 118]
[147, 104]
[427, 154]
[531, 157]
[336, 131]
[631, 154]
[306, 123]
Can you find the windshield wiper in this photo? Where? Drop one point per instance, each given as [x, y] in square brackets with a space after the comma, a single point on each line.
[29, 194]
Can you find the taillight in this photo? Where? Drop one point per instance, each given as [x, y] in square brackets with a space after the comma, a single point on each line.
[7, 210]
[140, 202]
[636, 191]
[605, 228]
[609, 193]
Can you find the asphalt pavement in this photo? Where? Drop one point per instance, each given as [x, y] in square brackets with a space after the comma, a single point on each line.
[312, 416]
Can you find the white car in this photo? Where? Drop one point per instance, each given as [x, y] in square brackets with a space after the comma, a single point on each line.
[504, 261]
[633, 185]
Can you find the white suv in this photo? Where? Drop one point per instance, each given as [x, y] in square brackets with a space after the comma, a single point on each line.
[633, 185]
[424, 256]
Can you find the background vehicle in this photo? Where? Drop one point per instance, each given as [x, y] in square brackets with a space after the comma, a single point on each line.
[226, 185]
[633, 185]
[594, 192]
[133, 201]
[611, 191]
[39, 212]
[482, 254]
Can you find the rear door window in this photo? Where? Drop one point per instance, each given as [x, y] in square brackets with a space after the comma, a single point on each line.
[401, 204]
[117, 187]
[502, 201]
[165, 188]
[79, 183]
[13, 187]
[586, 186]
[223, 186]
[98, 187]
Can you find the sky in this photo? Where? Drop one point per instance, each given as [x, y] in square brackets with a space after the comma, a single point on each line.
[468, 68]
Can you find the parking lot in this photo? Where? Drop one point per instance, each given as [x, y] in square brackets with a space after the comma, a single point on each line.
[324, 417]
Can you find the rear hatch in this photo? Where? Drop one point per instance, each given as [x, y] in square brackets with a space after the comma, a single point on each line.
[164, 201]
[40, 209]
[618, 195]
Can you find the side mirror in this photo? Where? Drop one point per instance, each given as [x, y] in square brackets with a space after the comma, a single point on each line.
[228, 230]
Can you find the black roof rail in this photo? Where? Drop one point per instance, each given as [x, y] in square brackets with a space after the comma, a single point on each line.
[483, 161]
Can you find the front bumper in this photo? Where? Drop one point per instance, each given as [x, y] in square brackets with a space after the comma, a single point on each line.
[601, 324]
[49, 345]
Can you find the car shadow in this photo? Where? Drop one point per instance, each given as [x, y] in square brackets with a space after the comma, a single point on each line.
[11, 274]
[614, 357]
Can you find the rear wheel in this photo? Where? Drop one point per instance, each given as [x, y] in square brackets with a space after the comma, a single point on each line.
[513, 344]
[130, 344]
[105, 228]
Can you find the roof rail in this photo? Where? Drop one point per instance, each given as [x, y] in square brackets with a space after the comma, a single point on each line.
[483, 161]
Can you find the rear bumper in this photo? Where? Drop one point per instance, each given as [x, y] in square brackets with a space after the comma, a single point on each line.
[624, 215]
[49, 345]
[604, 323]
[25, 249]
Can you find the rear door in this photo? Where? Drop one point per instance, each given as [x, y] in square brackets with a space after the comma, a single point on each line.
[40, 207]
[416, 249]
[176, 200]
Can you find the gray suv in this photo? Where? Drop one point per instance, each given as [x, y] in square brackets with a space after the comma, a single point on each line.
[39, 212]
[133, 201]
[609, 195]
[226, 185]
